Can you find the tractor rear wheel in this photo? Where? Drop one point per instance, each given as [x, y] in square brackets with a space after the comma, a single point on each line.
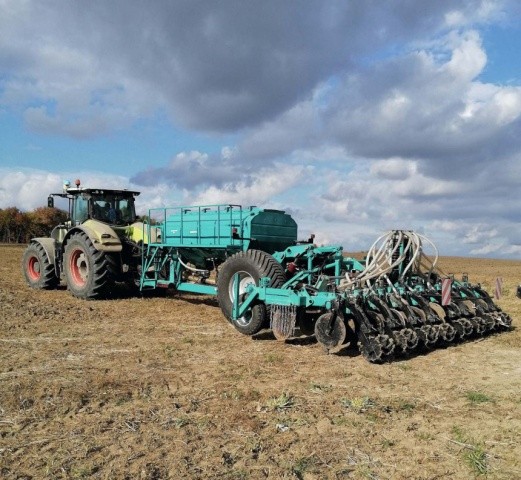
[39, 272]
[251, 266]
[89, 272]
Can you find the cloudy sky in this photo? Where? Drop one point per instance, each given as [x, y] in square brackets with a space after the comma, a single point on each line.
[355, 116]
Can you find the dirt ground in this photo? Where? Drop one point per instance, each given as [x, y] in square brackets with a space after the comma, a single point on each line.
[157, 388]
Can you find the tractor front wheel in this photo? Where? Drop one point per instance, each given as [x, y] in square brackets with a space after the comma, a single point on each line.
[39, 272]
[250, 267]
[89, 272]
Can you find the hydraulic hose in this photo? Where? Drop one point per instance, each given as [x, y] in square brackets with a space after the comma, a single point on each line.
[382, 258]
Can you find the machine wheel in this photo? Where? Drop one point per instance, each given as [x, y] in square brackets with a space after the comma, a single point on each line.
[251, 265]
[89, 272]
[39, 272]
[330, 330]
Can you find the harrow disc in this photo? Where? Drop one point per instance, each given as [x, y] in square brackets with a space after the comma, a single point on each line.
[447, 332]
[438, 310]
[490, 321]
[504, 320]
[370, 349]
[463, 327]
[480, 327]
[428, 334]
[411, 338]
[400, 340]
[330, 330]
[377, 348]
[386, 343]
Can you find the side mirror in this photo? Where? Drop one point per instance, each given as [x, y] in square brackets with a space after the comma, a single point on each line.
[50, 201]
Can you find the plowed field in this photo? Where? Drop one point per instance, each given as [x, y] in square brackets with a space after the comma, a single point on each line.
[157, 388]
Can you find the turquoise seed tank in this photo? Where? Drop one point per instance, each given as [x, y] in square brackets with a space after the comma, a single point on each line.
[224, 228]
[199, 238]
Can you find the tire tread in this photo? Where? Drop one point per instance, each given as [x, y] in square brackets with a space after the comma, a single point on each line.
[264, 265]
[48, 279]
[103, 269]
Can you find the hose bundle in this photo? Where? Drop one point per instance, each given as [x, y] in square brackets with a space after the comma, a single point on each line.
[394, 249]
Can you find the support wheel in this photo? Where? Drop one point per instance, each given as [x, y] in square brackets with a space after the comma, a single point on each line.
[330, 331]
[89, 272]
[251, 266]
[38, 271]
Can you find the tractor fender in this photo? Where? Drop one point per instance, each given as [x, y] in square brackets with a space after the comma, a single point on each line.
[103, 237]
[49, 246]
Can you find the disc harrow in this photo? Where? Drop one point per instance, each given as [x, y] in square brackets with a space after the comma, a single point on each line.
[395, 303]
[402, 306]
[389, 331]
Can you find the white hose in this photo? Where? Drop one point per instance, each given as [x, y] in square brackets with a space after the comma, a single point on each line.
[188, 267]
[380, 260]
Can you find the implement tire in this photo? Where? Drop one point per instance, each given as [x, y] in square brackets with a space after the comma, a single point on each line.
[251, 266]
[89, 272]
[39, 272]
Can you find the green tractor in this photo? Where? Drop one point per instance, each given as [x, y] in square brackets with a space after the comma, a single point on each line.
[98, 246]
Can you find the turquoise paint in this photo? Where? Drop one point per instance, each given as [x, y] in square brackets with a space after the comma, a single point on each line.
[202, 237]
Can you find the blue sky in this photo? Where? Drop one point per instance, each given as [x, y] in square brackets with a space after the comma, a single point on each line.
[356, 117]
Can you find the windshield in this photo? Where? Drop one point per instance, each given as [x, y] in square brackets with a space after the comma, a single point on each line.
[113, 209]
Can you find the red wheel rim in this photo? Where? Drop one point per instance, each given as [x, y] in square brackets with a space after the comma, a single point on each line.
[33, 268]
[78, 267]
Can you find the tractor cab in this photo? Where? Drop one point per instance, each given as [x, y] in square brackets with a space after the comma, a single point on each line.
[113, 207]
[108, 206]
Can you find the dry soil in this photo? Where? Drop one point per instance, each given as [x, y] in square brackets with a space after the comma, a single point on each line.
[157, 388]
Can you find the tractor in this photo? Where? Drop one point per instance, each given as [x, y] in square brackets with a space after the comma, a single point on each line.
[97, 246]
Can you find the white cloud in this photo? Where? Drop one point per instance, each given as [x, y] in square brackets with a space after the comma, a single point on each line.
[347, 208]
[423, 186]
[259, 189]
[394, 168]
[27, 189]
[417, 107]
[467, 59]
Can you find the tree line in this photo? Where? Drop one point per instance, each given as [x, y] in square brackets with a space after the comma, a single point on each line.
[19, 227]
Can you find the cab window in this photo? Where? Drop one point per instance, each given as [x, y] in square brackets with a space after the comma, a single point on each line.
[81, 212]
[126, 210]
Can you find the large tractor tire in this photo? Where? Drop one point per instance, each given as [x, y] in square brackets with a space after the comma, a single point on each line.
[89, 273]
[39, 272]
[251, 266]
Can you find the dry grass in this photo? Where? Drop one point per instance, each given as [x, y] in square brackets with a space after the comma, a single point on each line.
[165, 388]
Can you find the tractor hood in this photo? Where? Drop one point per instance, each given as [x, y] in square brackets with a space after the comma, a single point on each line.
[102, 236]
[108, 238]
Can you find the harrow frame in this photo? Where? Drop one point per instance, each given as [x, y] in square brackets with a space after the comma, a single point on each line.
[384, 317]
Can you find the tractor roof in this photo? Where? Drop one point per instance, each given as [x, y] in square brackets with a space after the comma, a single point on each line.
[96, 191]
[102, 191]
